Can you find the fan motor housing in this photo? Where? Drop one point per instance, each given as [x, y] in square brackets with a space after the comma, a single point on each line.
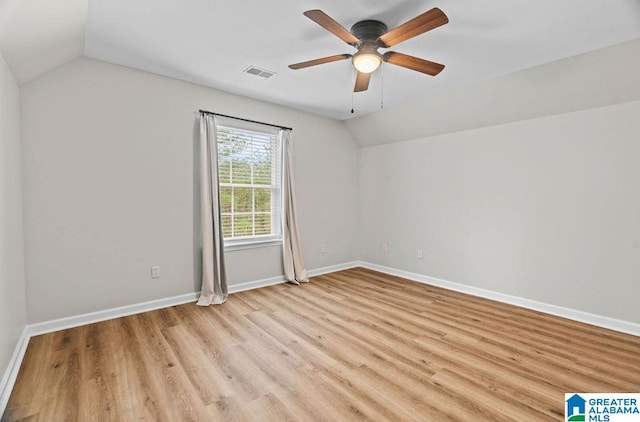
[368, 29]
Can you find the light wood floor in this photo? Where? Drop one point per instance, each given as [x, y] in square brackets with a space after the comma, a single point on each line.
[352, 345]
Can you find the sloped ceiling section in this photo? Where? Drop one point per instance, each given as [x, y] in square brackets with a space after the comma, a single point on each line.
[595, 79]
[37, 36]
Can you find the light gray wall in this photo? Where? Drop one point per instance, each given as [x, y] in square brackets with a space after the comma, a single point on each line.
[546, 209]
[12, 281]
[109, 188]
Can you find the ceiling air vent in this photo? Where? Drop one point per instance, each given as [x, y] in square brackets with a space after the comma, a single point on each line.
[266, 74]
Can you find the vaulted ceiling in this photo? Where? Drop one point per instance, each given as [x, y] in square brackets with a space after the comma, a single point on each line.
[211, 43]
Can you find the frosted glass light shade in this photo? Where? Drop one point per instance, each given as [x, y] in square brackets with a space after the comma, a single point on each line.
[366, 62]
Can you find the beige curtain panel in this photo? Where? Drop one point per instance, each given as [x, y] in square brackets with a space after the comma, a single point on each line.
[214, 278]
[294, 268]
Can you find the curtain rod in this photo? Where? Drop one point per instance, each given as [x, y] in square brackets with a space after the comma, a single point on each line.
[244, 120]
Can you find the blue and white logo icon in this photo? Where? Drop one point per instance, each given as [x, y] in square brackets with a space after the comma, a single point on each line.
[575, 408]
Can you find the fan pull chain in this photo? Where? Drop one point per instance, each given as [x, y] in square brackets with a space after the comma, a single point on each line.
[352, 102]
[382, 86]
[353, 78]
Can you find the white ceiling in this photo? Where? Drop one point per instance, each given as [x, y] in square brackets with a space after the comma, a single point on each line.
[211, 42]
[39, 35]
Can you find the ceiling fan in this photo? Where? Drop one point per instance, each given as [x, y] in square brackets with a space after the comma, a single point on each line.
[369, 35]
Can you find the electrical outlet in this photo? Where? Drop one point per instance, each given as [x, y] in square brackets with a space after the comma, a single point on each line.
[385, 248]
[420, 254]
[323, 248]
[155, 271]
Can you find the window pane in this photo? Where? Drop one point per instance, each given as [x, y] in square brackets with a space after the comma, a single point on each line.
[242, 225]
[229, 145]
[262, 174]
[243, 199]
[223, 171]
[226, 226]
[263, 224]
[263, 200]
[240, 172]
[262, 158]
[225, 199]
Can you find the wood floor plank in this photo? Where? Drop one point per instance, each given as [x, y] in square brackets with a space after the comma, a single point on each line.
[351, 345]
[273, 409]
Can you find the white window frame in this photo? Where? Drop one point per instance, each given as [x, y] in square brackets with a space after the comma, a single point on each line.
[246, 242]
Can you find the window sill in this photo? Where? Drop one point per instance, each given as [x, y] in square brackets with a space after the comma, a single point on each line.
[239, 246]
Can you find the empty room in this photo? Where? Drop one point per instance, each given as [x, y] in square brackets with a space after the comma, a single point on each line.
[319, 211]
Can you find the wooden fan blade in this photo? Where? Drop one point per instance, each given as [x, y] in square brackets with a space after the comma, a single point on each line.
[413, 63]
[325, 21]
[323, 60]
[362, 82]
[419, 25]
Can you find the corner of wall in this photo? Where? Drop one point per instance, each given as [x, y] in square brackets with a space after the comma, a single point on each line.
[12, 269]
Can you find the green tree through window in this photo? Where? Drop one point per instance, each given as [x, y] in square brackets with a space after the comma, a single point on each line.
[249, 170]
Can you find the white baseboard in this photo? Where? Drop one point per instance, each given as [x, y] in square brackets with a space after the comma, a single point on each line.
[11, 374]
[235, 288]
[250, 285]
[104, 315]
[333, 268]
[573, 314]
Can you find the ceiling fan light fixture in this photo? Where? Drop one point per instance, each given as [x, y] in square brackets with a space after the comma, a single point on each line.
[367, 36]
[366, 62]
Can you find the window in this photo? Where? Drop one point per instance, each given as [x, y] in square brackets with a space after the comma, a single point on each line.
[249, 164]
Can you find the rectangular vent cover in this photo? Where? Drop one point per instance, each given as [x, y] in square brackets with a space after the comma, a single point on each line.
[266, 74]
